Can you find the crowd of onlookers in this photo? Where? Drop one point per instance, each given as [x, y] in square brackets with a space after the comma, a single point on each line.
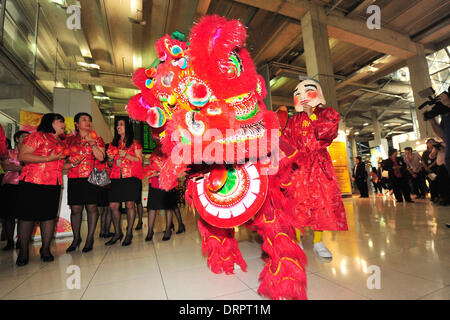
[99, 176]
[412, 173]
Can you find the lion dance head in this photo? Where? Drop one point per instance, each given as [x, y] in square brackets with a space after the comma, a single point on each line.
[207, 100]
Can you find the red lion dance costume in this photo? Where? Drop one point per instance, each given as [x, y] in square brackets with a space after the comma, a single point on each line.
[208, 100]
[3, 146]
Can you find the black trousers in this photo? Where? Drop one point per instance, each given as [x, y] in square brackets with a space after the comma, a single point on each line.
[401, 189]
[362, 187]
[377, 187]
[420, 188]
[443, 183]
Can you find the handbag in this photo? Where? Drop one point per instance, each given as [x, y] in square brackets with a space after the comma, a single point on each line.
[99, 178]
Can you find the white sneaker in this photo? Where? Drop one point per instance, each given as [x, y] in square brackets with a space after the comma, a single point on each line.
[321, 250]
[301, 245]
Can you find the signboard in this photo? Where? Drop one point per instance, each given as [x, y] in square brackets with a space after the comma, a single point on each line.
[29, 121]
[338, 153]
[148, 144]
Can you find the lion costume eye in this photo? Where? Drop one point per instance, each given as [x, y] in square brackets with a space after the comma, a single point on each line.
[149, 83]
[175, 50]
[235, 65]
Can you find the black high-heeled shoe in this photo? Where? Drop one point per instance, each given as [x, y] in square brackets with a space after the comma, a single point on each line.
[138, 226]
[181, 228]
[172, 227]
[88, 248]
[127, 241]
[20, 262]
[109, 234]
[73, 246]
[167, 237]
[46, 258]
[113, 241]
[149, 237]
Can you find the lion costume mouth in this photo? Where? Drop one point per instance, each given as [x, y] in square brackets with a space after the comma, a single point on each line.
[237, 201]
[246, 132]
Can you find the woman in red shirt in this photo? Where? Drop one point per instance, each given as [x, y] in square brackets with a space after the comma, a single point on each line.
[10, 187]
[85, 145]
[125, 153]
[159, 199]
[40, 184]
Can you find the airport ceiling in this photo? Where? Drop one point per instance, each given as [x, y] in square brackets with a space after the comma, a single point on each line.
[118, 36]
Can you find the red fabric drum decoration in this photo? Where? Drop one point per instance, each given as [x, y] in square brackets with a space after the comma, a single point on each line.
[237, 201]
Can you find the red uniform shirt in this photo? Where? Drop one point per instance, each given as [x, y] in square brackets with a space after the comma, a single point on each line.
[127, 167]
[102, 166]
[49, 173]
[156, 163]
[84, 169]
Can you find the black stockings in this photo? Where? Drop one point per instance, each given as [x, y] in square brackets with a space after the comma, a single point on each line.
[24, 230]
[75, 219]
[105, 220]
[151, 221]
[152, 218]
[178, 216]
[131, 215]
[9, 225]
[169, 219]
[140, 211]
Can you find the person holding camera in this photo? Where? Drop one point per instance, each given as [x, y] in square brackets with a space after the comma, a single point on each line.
[443, 128]
[443, 178]
[429, 167]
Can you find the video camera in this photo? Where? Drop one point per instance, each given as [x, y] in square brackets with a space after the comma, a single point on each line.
[437, 109]
[438, 146]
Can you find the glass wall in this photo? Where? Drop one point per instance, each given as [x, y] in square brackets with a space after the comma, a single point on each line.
[35, 45]
[18, 33]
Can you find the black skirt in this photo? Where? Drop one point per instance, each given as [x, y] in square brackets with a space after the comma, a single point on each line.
[39, 202]
[139, 201]
[161, 200]
[81, 192]
[125, 189]
[9, 199]
[104, 197]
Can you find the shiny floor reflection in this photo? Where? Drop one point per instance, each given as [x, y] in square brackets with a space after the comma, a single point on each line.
[407, 245]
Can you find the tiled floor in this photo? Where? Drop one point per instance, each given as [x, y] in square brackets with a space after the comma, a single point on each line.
[408, 242]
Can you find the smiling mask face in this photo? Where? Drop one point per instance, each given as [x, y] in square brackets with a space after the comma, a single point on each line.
[308, 92]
